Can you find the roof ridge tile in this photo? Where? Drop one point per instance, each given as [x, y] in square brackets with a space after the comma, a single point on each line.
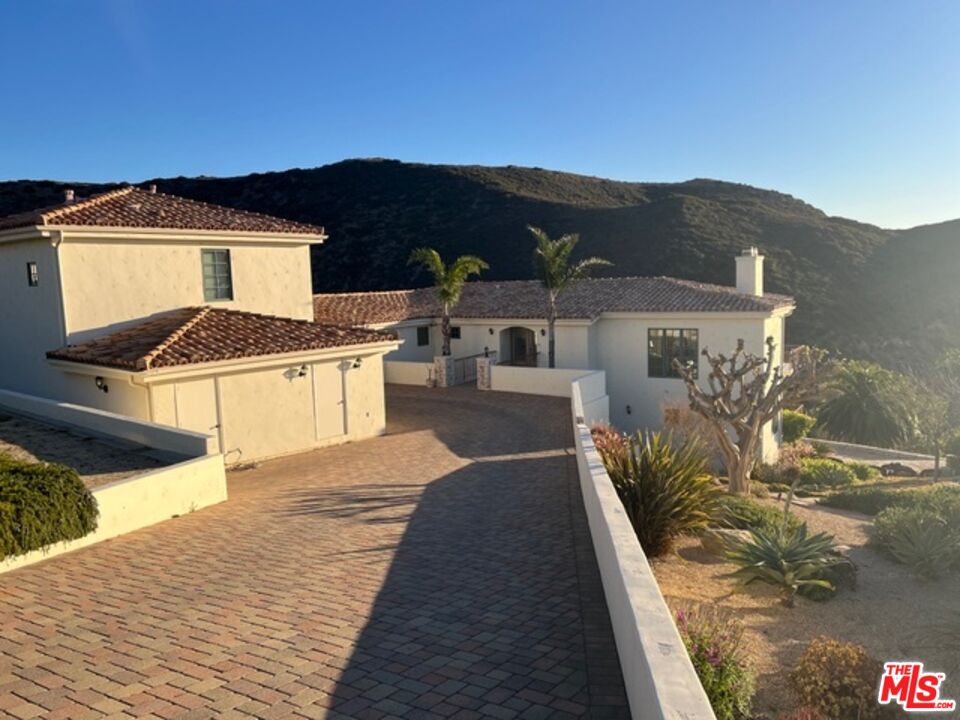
[144, 362]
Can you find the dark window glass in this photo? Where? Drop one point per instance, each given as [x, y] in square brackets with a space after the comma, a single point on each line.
[423, 335]
[217, 279]
[33, 274]
[665, 345]
[455, 332]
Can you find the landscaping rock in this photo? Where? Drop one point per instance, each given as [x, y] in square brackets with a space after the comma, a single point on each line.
[716, 540]
[898, 469]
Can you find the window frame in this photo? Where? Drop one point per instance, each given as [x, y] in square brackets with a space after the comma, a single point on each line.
[216, 292]
[423, 335]
[33, 274]
[455, 332]
[660, 364]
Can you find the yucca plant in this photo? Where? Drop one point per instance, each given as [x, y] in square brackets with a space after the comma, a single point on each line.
[919, 539]
[665, 490]
[787, 557]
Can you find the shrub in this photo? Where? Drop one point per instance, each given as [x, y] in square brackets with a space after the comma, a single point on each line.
[684, 425]
[924, 539]
[804, 713]
[743, 513]
[839, 680]
[664, 490]
[41, 504]
[863, 472]
[822, 472]
[788, 465]
[796, 425]
[714, 645]
[610, 442]
[871, 500]
[785, 557]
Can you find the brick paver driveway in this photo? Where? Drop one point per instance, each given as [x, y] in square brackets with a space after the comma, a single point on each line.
[443, 570]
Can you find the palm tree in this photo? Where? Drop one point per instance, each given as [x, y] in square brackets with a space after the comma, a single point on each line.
[867, 404]
[552, 261]
[448, 280]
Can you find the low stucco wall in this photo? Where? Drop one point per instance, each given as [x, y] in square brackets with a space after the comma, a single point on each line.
[407, 372]
[144, 500]
[660, 680]
[108, 424]
[594, 403]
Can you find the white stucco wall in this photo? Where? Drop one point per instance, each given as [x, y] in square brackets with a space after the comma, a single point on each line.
[110, 284]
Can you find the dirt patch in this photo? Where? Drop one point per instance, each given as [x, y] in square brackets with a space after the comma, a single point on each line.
[892, 613]
[97, 461]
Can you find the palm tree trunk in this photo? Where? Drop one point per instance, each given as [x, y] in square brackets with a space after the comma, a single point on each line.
[445, 330]
[551, 333]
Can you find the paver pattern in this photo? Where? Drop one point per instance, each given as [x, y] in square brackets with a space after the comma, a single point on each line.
[441, 571]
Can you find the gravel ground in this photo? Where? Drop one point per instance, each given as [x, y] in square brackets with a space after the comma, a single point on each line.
[892, 613]
[97, 461]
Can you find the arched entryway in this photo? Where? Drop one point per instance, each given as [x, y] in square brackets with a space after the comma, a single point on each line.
[518, 346]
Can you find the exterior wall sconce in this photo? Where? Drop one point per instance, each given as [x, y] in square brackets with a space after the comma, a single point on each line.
[357, 363]
[101, 385]
[629, 410]
[302, 372]
[490, 330]
[543, 331]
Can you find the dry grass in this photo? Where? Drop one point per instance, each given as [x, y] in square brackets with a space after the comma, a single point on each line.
[892, 613]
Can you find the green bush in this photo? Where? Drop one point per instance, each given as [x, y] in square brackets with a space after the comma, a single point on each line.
[665, 490]
[796, 425]
[788, 558]
[714, 645]
[925, 539]
[839, 680]
[871, 500]
[744, 513]
[41, 504]
[863, 472]
[821, 472]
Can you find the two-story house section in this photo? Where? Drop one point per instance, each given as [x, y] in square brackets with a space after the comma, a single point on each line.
[186, 314]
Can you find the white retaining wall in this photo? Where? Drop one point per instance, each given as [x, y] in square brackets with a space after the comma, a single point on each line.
[660, 680]
[136, 502]
[406, 372]
[108, 424]
[557, 382]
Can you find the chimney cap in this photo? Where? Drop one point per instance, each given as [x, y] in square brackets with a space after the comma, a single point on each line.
[752, 251]
[152, 189]
[68, 195]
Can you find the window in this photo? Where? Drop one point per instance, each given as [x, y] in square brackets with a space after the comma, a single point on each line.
[455, 332]
[33, 274]
[423, 335]
[217, 282]
[665, 345]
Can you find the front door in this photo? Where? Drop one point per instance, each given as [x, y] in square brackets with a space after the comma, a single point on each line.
[523, 349]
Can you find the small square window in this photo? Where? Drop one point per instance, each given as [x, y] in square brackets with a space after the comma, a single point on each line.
[423, 335]
[33, 274]
[217, 277]
[455, 332]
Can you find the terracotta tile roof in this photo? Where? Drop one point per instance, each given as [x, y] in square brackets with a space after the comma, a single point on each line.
[135, 208]
[203, 334]
[585, 300]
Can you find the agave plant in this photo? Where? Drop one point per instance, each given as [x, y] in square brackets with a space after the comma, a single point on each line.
[665, 489]
[787, 557]
[925, 543]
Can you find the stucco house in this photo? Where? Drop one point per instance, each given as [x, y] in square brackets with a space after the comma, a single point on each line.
[632, 328]
[185, 314]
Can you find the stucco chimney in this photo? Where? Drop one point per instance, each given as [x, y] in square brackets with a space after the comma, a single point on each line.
[153, 189]
[68, 196]
[750, 272]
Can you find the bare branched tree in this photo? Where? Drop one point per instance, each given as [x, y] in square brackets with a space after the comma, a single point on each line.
[745, 392]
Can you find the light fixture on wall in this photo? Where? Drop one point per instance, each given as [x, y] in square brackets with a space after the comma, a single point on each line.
[629, 410]
[543, 331]
[302, 372]
[101, 385]
[490, 330]
[357, 363]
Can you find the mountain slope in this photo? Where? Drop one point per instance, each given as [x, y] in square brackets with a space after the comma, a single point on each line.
[859, 288]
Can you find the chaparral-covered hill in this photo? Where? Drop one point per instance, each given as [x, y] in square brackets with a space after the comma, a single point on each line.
[864, 290]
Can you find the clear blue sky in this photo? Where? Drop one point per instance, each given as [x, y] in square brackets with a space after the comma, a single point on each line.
[852, 105]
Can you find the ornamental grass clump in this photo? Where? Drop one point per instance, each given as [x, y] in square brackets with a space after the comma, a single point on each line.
[714, 644]
[665, 490]
[839, 680]
[610, 442]
[42, 504]
[925, 539]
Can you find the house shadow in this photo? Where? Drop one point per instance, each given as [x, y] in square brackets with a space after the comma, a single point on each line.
[492, 600]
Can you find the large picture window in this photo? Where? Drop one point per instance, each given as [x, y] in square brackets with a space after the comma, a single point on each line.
[217, 280]
[665, 345]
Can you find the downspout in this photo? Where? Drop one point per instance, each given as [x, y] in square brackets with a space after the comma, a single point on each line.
[56, 241]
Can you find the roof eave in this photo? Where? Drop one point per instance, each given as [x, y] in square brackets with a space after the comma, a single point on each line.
[121, 232]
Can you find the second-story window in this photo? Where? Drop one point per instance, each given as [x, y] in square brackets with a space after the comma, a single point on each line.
[217, 278]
